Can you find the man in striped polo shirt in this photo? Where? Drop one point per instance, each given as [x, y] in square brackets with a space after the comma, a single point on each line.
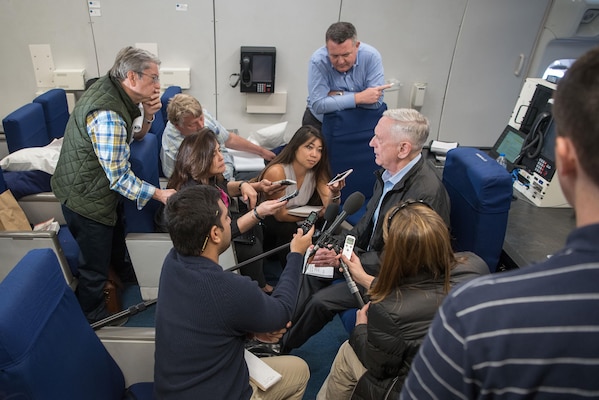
[533, 332]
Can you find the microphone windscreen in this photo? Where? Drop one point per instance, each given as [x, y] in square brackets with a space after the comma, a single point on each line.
[331, 213]
[353, 203]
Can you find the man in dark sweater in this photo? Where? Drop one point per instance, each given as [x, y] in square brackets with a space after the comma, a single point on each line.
[205, 314]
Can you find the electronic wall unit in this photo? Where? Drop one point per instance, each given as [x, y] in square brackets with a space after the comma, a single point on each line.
[69, 79]
[257, 73]
[510, 144]
[533, 100]
[537, 177]
[175, 77]
[539, 191]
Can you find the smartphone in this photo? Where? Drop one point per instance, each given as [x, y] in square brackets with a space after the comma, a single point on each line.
[340, 176]
[348, 246]
[307, 224]
[285, 182]
[289, 196]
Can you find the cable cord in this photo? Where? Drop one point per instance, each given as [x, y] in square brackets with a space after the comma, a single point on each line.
[536, 137]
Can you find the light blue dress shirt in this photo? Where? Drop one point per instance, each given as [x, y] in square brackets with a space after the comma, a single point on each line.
[323, 78]
[389, 181]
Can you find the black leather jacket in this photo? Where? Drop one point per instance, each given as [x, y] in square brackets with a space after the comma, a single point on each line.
[397, 326]
[420, 183]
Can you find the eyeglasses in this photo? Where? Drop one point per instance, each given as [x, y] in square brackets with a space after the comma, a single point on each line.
[155, 78]
[402, 206]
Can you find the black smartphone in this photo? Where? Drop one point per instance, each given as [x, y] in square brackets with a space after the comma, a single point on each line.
[289, 196]
[285, 182]
[307, 224]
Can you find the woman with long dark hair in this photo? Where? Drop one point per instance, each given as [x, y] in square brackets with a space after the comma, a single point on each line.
[200, 162]
[305, 161]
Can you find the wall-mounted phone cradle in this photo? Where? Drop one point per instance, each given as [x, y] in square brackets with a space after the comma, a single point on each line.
[257, 74]
[417, 94]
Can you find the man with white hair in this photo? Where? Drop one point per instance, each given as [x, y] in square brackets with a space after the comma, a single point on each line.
[405, 174]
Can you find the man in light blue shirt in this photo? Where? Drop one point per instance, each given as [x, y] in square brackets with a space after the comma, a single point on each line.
[343, 74]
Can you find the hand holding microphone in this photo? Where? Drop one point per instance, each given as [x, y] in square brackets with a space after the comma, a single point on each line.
[352, 204]
[347, 253]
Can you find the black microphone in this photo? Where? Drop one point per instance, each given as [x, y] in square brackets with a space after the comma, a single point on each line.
[351, 205]
[329, 215]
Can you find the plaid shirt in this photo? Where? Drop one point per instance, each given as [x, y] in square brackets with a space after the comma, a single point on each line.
[108, 134]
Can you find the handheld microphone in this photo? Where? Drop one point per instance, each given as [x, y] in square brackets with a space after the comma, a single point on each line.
[351, 205]
[329, 215]
[353, 288]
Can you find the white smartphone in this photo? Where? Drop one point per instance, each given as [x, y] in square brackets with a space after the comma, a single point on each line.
[340, 176]
[348, 246]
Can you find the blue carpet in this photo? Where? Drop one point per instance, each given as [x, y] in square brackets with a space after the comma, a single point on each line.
[319, 352]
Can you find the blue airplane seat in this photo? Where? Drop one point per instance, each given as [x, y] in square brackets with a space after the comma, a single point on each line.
[480, 191]
[26, 127]
[144, 163]
[56, 111]
[165, 98]
[38, 359]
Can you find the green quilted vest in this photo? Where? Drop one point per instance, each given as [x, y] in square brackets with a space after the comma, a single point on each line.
[79, 181]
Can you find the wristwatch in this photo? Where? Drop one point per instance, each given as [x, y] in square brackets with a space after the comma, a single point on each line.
[339, 93]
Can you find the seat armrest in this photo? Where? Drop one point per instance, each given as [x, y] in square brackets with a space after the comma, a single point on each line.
[133, 350]
[41, 207]
[148, 251]
[15, 244]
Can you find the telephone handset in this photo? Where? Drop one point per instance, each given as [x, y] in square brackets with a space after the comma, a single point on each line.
[533, 144]
[246, 72]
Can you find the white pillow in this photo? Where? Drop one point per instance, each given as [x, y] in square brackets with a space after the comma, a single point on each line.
[34, 158]
[270, 137]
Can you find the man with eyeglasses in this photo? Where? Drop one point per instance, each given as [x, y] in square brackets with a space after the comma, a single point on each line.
[343, 74]
[405, 174]
[93, 175]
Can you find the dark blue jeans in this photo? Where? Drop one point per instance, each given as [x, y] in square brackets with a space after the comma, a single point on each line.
[100, 246]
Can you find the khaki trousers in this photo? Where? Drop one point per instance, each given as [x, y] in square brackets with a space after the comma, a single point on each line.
[345, 373]
[295, 374]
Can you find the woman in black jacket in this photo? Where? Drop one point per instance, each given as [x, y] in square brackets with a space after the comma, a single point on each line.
[418, 269]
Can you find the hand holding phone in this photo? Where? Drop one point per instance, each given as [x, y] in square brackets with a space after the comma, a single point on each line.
[340, 177]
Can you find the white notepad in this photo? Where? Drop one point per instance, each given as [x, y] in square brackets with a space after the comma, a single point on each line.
[260, 372]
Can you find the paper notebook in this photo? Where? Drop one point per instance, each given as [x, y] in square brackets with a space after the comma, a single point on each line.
[260, 373]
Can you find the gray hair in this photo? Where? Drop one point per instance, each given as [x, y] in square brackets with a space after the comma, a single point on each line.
[409, 124]
[339, 32]
[131, 59]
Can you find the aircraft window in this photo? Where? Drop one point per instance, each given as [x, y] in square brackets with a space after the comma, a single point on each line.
[557, 69]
